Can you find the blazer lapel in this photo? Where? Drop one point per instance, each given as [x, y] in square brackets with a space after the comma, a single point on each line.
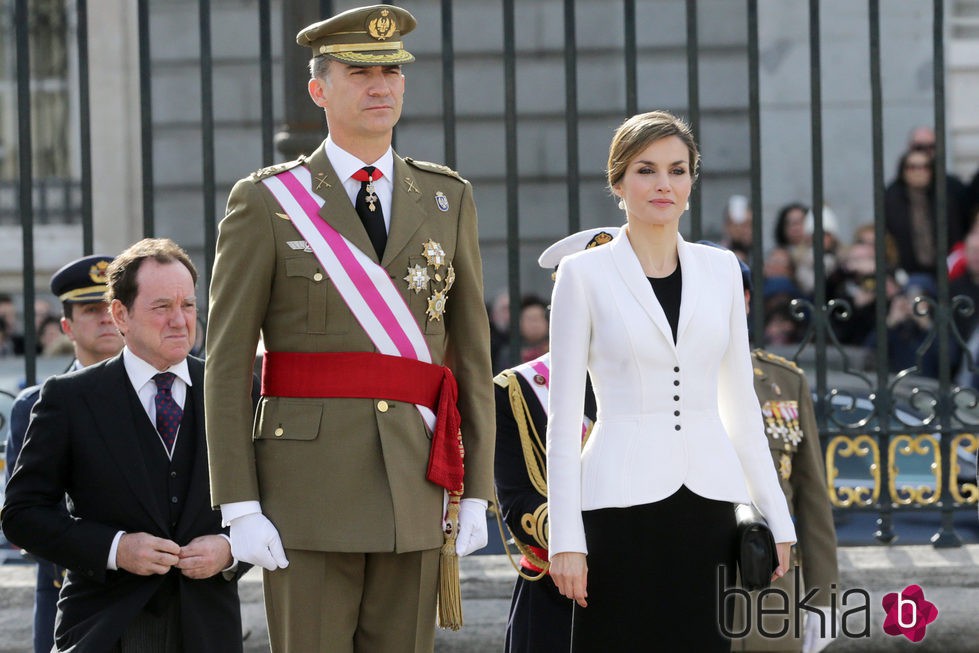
[692, 278]
[629, 268]
[199, 481]
[337, 211]
[115, 420]
[407, 211]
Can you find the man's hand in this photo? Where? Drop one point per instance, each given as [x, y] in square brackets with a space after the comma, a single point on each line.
[472, 526]
[144, 555]
[205, 556]
[255, 540]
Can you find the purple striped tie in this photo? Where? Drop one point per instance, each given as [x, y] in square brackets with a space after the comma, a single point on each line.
[168, 413]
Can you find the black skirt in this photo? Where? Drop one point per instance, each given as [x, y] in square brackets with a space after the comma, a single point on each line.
[653, 576]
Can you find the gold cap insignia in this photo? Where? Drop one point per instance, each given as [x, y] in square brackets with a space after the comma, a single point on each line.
[97, 272]
[381, 24]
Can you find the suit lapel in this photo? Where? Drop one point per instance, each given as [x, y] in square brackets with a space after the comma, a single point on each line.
[199, 473]
[406, 209]
[337, 211]
[631, 272]
[692, 279]
[115, 421]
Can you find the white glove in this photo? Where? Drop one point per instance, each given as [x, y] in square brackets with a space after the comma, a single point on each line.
[815, 639]
[255, 540]
[472, 526]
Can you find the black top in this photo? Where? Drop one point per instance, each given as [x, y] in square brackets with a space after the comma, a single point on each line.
[667, 292]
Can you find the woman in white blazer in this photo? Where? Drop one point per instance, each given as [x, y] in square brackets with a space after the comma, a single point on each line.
[642, 519]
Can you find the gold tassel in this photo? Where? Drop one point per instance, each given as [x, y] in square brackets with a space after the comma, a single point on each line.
[450, 592]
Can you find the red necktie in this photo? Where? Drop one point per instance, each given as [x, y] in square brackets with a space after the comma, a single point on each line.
[368, 207]
[168, 413]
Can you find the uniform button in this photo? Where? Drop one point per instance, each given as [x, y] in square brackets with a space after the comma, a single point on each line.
[677, 427]
[676, 397]
[382, 406]
[318, 276]
[279, 432]
[676, 413]
[676, 369]
[174, 499]
[677, 382]
[173, 474]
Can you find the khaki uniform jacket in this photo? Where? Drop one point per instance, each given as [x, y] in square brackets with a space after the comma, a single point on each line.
[339, 474]
[793, 438]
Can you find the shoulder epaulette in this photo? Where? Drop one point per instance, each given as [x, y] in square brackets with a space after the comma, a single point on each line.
[503, 378]
[428, 166]
[262, 173]
[775, 359]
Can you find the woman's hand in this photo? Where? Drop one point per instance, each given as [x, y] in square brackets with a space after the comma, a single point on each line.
[784, 550]
[569, 571]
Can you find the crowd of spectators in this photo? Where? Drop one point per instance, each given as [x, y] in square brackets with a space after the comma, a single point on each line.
[912, 255]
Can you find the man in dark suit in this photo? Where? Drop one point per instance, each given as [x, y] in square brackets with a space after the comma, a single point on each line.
[149, 568]
[80, 286]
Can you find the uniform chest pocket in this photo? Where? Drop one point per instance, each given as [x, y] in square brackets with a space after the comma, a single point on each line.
[326, 312]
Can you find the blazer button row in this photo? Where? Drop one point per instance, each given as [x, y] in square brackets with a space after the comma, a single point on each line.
[676, 383]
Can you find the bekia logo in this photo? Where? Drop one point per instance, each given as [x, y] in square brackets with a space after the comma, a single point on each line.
[908, 613]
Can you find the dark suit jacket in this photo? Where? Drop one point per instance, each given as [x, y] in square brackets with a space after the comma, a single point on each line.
[81, 443]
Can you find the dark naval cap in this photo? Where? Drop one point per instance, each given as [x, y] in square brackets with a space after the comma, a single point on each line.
[82, 280]
[366, 36]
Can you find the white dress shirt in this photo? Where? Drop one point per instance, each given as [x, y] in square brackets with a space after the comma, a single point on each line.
[346, 164]
[141, 375]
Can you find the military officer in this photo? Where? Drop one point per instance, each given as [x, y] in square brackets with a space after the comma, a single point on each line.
[540, 618]
[80, 286]
[793, 439]
[361, 271]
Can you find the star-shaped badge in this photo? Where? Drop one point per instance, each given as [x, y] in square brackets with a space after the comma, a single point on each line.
[417, 278]
[436, 305]
[434, 253]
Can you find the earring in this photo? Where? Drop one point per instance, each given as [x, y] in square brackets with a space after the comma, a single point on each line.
[687, 208]
[622, 204]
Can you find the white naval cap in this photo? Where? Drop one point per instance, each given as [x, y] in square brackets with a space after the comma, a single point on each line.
[576, 242]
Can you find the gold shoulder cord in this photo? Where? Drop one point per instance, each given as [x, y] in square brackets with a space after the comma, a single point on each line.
[534, 459]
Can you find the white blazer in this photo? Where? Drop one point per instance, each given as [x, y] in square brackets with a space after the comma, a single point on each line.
[668, 415]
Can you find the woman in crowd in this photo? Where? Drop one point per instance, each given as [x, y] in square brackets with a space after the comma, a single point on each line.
[910, 218]
[642, 519]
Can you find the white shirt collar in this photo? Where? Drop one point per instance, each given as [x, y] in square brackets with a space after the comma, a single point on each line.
[140, 372]
[346, 164]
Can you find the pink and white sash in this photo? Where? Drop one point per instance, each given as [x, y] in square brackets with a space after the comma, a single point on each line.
[537, 373]
[365, 286]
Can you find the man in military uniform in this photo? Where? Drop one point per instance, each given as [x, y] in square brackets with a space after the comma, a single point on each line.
[80, 286]
[361, 272]
[793, 439]
[540, 618]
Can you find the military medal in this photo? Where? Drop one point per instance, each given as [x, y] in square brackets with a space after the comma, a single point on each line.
[436, 305]
[785, 466]
[370, 197]
[450, 277]
[433, 253]
[417, 278]
[539, 379]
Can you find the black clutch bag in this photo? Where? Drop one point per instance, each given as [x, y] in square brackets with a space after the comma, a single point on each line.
[757, 557]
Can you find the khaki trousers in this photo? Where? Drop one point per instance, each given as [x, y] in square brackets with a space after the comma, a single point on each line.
[326, 602]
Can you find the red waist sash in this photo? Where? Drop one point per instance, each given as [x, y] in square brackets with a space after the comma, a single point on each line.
[368, 375]
[537, 551]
